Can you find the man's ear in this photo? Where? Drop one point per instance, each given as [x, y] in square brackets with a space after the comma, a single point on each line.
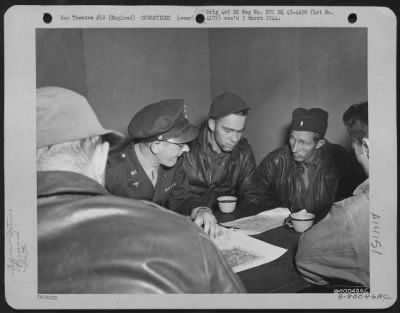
[320, 143]
[211, 124]
[365, 146]
[155, 147]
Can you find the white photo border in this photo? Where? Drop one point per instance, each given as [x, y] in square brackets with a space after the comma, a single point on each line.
[20, 154]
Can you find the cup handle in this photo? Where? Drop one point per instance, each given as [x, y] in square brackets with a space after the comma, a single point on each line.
[288, 222]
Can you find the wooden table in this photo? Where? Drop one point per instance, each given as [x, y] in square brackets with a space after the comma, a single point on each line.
[278, 276]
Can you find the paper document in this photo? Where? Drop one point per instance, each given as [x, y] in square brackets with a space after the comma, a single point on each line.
[243, 252]
[261, 222]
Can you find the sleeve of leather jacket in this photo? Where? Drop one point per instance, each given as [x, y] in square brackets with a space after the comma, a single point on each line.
[266, 183]
[250, 197]
[180, 199]
[221, 278]
[326, 251]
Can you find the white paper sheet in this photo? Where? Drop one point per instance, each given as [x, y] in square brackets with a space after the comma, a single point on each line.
[243, 252]
[261, 222]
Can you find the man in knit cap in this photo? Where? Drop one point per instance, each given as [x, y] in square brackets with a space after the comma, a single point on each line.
[308, 173]
[220, 161]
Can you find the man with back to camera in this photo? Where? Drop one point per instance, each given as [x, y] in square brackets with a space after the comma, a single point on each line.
[220, 161]
[310, 172]
[91, 242]
[150, 167]
[337, 248]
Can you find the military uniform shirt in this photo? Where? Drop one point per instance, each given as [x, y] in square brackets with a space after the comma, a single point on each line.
[151, 171]
[126, 177]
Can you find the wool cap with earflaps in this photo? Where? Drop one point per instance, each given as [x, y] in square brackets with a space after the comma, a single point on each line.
[165, 120]
[225, 104]
[63, 115]
[313, 120]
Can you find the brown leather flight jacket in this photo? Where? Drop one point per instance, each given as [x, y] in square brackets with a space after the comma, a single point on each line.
[333, 179]
[92, 242]
[233, 175]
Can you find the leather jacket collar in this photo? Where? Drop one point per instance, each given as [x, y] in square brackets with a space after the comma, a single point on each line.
[202, 141]
[51, 183]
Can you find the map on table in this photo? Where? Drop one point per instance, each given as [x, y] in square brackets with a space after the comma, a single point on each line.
[239, 256]
[243, 252]
[256, 224]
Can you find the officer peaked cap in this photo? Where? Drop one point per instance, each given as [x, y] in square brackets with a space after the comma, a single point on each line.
[165, 120]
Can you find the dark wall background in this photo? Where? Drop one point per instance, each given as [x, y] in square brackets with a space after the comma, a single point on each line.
[59, 59]
[278, 70]
[275, 70]
[122, 70]
[128, 69]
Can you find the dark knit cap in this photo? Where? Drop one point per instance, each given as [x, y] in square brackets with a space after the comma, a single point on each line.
[313, 120]
[225, 104]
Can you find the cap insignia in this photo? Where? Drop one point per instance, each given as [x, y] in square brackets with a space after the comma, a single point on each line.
[301, 123]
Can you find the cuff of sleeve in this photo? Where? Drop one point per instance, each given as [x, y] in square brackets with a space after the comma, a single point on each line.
[203, 208]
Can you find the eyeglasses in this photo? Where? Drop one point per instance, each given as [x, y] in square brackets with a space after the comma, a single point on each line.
[180, 145]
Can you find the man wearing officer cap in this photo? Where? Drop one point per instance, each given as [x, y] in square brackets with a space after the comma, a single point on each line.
[150, 167]
[91, 242]
[220, 161]
[310, 172]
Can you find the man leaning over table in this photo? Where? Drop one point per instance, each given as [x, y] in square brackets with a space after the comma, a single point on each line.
[91, 242]
[337, 248]
[150, 166]
[307, 173]
[220, 161]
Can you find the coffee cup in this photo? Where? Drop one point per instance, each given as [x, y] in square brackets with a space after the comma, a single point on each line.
[301, 221]
[227, 204]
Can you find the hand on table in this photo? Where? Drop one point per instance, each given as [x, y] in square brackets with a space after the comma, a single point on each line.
[203, 217]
